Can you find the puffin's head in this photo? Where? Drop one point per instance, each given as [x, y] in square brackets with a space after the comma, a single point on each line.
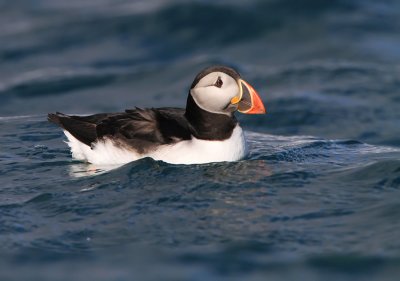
[221, 90]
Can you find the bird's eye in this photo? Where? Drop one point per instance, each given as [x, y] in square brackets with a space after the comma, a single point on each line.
[219, 83]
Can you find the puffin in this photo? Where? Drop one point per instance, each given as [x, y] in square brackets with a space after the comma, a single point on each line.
[205, 131]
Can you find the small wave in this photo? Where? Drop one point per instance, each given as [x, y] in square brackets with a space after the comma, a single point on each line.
[311, 150]
[378, 174]
[6, 118]
[44, 197]
[50, 81]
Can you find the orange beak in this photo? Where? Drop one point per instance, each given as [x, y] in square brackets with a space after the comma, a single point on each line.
[249, 102]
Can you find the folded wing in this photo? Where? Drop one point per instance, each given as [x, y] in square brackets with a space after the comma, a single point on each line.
[141, 129]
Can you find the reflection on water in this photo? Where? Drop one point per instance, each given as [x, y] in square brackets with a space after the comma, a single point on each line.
[88, 169]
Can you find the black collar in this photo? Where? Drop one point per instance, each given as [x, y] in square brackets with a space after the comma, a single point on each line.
[207, 125]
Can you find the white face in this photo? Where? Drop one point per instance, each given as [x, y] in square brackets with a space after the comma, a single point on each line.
[208, 96]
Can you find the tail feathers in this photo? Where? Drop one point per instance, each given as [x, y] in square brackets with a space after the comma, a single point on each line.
[81, 130]
[55, 118]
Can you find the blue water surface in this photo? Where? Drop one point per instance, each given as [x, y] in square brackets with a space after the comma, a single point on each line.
[316, 199]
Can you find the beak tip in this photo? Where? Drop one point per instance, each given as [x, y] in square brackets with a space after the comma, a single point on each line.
[257, 106]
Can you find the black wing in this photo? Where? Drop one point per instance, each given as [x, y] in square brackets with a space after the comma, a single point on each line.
[138, 128]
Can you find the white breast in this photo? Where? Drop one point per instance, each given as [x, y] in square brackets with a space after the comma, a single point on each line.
[194, 151]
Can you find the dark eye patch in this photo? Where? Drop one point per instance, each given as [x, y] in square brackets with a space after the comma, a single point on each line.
[219, 82]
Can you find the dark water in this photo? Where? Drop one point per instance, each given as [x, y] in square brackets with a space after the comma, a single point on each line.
[317, 199]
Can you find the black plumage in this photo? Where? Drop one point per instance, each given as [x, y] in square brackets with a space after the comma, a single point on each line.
[146, 129]
[137, 128]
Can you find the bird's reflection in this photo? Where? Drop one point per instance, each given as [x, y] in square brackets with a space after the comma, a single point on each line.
[87, 169]
[240, 171]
